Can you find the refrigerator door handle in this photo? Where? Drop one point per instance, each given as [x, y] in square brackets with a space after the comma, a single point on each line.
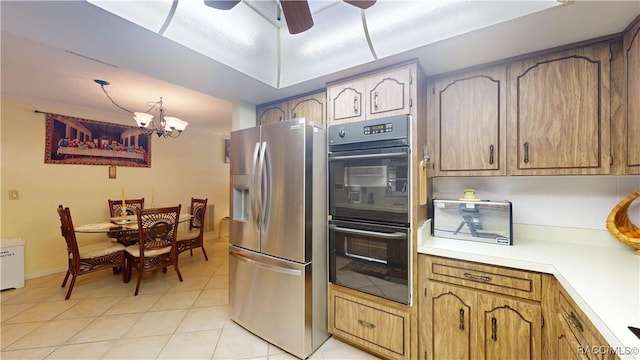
[254, 187]
[264, 266]
[381, 235]
[264, 184]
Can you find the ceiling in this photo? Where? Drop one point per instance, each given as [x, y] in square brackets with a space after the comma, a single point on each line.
[52, 51]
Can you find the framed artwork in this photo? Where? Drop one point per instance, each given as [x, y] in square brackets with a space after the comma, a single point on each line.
[112, 172]
[227, 150]
[72, 140]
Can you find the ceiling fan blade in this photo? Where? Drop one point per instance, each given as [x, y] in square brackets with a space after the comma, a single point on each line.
[362, 4]
[221, 4]
[297, 14]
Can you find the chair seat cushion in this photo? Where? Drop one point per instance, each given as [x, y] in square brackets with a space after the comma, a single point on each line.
[134, 250]
[188, 234]
[99, 249]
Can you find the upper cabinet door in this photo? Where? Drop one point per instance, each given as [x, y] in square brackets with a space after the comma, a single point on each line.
[273, 113]
[389, 93]
[346, 102]
[631, 54]
[559, 113]
[373, 96]
[312, 107]
[469, 115]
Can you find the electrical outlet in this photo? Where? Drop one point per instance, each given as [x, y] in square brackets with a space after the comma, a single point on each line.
[14, 195]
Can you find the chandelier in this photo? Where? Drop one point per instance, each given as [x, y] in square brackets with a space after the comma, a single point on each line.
[167, 126]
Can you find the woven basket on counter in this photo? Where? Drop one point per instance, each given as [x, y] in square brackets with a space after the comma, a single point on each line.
[621, 227]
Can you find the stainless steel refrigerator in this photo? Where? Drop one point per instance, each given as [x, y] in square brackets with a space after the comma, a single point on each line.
[277, 234]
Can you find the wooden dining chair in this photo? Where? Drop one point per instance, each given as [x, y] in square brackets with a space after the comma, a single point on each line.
[193, 238]
[156, 248]
[115, 209]
[87, 258]
[131, 205]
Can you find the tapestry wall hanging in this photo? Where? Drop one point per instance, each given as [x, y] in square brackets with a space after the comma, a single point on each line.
[72, 140]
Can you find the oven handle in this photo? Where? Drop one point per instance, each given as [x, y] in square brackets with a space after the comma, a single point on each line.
[368, 156]
[360, 256]
[392, 236]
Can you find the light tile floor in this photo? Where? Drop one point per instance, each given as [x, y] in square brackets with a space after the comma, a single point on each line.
[169, 319]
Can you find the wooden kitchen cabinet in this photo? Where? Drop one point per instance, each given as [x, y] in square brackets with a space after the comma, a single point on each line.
[272, 113]
[558, 113]
[311, 106]
[631, 55]
[577, 338]
[465, 314]
[469, 115]
[372, 96]
[376, 325]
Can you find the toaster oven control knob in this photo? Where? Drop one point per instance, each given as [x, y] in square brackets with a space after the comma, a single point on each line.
[341, 132]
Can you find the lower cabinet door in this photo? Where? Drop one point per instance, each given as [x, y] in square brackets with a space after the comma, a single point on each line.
[448, 323]
[509, 329]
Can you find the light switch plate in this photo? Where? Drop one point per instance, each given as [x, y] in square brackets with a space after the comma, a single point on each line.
[14, 195]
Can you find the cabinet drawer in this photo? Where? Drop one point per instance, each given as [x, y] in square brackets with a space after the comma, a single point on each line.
[589, 340]
[381, 329]
[519, 283]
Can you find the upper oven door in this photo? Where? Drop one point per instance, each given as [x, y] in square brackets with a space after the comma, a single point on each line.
[370, 185]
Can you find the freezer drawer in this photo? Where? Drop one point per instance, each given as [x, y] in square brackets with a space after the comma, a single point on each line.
[271, 298]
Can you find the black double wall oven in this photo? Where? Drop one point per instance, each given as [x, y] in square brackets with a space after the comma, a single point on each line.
[369, 198]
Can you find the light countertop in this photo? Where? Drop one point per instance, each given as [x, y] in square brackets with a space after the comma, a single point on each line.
[599, 273]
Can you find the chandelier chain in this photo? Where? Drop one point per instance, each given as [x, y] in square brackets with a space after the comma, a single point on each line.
[112, 101]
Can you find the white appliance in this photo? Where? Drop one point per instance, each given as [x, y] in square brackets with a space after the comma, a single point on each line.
[12, 263]
[277, 234]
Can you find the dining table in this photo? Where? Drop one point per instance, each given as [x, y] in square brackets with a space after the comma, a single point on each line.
[122, 228]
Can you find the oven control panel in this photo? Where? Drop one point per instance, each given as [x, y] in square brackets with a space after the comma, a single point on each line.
[378, 129]
[393, 128]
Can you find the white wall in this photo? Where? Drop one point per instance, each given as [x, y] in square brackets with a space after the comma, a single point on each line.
[566, 201]
[189, 166]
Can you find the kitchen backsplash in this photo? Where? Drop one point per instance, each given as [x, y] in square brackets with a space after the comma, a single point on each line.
[566, 201]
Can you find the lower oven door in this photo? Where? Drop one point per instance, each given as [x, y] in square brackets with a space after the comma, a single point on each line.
[371, 258]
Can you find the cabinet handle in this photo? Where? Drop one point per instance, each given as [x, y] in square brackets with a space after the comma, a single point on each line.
[491, 154]
[573, 320]
[477, 277]
[526, 152]
[355, 105]
[375, 101]
[367, 324]
[295, 115]
[461, 319]
[494, 329]
[281, 119]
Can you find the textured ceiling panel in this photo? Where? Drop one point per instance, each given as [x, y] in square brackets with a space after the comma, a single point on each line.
[395, 29]
[238, 38]
[336, 42]
[150, 15]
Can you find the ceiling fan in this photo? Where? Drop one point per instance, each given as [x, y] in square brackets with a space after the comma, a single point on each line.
[296, 12]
